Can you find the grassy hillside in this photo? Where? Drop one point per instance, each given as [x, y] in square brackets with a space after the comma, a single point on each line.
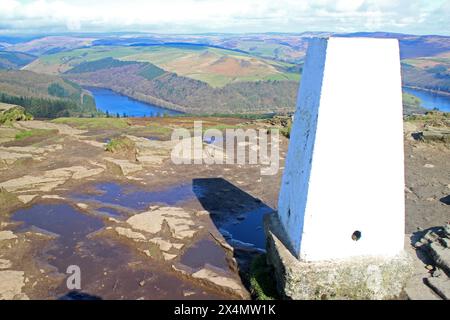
[429, 73]
[217, 67]
[193, 96]
[189, 78]
[412, 104]
[44, 95]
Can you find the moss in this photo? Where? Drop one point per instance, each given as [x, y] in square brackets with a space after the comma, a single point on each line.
[262, 282]
[15, 113]
[286, 131]
[120, 145]
[33, 133]
[23, 134]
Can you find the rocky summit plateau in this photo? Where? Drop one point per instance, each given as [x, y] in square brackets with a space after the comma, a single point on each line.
[103, 194]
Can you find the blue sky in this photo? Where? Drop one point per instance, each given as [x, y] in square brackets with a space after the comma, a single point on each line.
[198, 16]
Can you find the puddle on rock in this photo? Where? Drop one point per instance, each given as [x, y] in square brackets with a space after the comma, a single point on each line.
[135, 197]
[250, 229]
[233, 211]
[109, 270]
[59, 218]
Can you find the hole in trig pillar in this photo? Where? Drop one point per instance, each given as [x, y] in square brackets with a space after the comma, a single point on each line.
[356, 235]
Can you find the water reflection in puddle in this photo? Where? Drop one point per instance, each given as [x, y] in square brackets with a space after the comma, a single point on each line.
[235, 212]
[61, 219]
[134, 197]
[251, 228]
[109, 270]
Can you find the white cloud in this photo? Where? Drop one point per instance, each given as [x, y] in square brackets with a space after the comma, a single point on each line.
[416, 16]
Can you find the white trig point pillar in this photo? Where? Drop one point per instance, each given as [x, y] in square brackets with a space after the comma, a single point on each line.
[341, 203]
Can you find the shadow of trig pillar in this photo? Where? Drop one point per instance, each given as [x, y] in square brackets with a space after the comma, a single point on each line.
[342, 194]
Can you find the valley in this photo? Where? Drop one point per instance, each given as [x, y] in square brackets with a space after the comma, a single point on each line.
[202, 74]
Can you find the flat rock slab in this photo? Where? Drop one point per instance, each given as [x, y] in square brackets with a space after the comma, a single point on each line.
[224, 283]
[9, 157]
[5, 264]
[62, 128]
[49, 180]
[26, 198]
[11, 283]
[130, 234]
[213, 277]
[436, 134]
[121, 166]
[162, 233]
[180, 222]
[146, 230]
[33, 149]
[150, 152]
[7, 235]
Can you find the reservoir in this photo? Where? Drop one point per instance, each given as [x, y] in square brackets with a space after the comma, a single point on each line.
[108, 100]
[114, 103]
[431, 100]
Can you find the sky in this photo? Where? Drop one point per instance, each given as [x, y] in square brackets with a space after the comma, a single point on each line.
[228, 16]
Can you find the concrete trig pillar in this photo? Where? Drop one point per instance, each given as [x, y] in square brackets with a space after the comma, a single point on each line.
[341, 201]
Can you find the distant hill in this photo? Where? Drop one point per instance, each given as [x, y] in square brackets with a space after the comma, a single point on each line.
[44, 95]
[14, 60]
[212, 72]
[217, 67]
[50, 44]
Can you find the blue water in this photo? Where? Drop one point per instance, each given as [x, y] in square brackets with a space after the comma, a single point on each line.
[134, 197]
[430, 100]
[250, 230]
[60, 218]
[108, 100]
